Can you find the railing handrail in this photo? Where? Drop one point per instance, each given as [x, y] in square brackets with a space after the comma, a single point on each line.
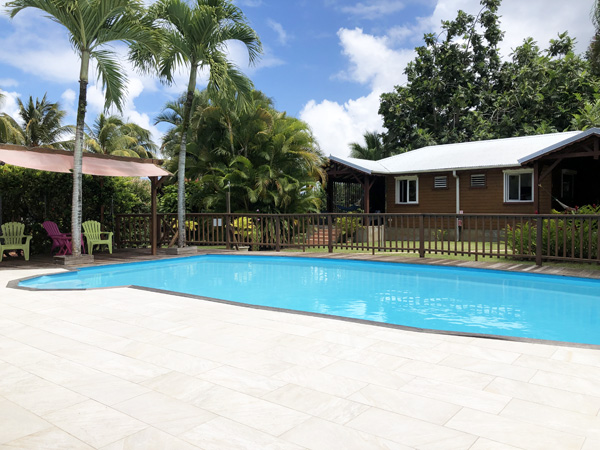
[539, 237]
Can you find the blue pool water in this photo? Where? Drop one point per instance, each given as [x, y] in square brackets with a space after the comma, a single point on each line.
[440, 298]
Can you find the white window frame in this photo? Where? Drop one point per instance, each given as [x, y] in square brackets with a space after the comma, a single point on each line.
[408, 201]
[507, 174]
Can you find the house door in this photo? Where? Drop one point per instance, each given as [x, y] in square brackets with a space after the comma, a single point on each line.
[567, 186]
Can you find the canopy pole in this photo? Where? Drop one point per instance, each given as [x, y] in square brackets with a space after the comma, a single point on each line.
[155, 183]
[153, 216]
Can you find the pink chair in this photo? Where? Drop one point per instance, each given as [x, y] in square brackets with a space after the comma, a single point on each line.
[60, 241]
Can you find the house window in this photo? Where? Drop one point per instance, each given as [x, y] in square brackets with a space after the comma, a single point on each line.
[478, 180]
[440, 182]
[407, 190]
[518, 186]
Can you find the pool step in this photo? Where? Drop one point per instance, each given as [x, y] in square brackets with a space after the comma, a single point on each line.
[320, 236]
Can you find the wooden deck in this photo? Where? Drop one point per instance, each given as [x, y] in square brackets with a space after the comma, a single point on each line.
[100, 258]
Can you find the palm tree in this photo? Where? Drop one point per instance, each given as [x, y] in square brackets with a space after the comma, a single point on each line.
[172, 114]
[111, 135]
[92, 24]
[42, 123]
[374, 148]
[270, 161]
[10, 131]
[195, 38]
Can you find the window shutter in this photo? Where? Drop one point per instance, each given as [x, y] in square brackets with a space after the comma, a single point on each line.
[478, 180]
[440, 182]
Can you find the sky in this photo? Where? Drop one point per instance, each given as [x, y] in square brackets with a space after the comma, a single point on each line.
[324, 61]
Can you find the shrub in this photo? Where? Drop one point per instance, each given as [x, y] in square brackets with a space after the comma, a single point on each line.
[348, 226]
[567, 236]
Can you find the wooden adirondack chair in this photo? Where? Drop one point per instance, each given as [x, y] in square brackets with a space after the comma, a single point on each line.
[60, 241]
[93, 235]
[12, 237]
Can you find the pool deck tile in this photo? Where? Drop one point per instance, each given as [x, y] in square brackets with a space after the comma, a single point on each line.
[124, 368]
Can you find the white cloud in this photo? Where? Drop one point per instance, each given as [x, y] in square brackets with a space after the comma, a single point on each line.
[378, 62]
[68, 97]
[8, 82]
[373, 9]
[540, 19]
[282, 35]
[9, 104]
[238, 54]
[371, 62]
[250, 3]
[335, 126]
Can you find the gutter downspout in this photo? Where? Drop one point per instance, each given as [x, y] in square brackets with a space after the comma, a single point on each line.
[457, 178]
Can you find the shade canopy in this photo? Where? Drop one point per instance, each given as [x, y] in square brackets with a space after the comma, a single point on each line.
[92, 164]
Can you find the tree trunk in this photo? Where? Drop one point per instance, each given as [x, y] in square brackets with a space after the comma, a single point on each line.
[76, 204]
[187, 112]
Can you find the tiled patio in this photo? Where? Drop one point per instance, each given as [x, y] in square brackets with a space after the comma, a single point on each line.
[131, 369]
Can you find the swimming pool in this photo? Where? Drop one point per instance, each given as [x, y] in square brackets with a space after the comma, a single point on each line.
[473, 301]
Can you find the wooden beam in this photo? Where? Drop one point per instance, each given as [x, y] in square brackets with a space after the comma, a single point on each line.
[595, 154]
[367, 193]
[549, 170]
[329, 194]
[536, 188]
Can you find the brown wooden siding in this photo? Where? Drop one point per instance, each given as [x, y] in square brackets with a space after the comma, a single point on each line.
[486, 200]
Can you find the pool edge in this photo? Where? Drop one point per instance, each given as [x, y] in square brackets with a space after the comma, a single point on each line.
[14, 284]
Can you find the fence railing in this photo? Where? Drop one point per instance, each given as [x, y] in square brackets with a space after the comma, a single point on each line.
[540, 238]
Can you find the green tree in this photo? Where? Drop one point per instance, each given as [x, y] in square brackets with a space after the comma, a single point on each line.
[445, 81]
[593, 52]
[269, 161]
[587, 117]
[458, 90]
[42, 123]
[195, 37]
[111, 135]
[92, 26]
[10, 131]
[172, 114]
[374, 148]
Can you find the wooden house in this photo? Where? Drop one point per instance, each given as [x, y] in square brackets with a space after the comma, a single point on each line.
[521, 175]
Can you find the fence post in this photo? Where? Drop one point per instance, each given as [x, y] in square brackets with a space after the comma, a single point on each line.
[227, 232]
[329, 233]
[118, 231]
[421, 236]
[277, 234]
[539, 222]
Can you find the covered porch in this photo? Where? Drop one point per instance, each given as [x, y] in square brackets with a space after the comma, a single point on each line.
[569, 173]
[351, 189]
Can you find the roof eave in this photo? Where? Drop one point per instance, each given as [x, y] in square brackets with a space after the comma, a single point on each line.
[349, 164]
[579, 137]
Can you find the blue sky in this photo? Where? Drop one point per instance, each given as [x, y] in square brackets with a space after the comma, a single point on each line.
[325, 61]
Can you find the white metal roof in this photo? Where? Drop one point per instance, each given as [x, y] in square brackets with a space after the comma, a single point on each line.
[493, 153]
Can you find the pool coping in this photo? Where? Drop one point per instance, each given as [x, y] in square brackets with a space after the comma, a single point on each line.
[14, 284]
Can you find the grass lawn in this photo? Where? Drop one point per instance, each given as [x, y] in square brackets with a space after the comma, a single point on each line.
[448, 247]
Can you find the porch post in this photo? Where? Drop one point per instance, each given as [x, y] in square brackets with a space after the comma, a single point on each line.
[329, 194]
[536, 186]
[367, 193]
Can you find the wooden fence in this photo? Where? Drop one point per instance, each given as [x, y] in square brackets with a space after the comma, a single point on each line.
[523, 237]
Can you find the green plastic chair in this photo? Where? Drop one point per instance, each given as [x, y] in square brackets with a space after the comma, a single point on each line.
[93, 235]
[12, 237]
